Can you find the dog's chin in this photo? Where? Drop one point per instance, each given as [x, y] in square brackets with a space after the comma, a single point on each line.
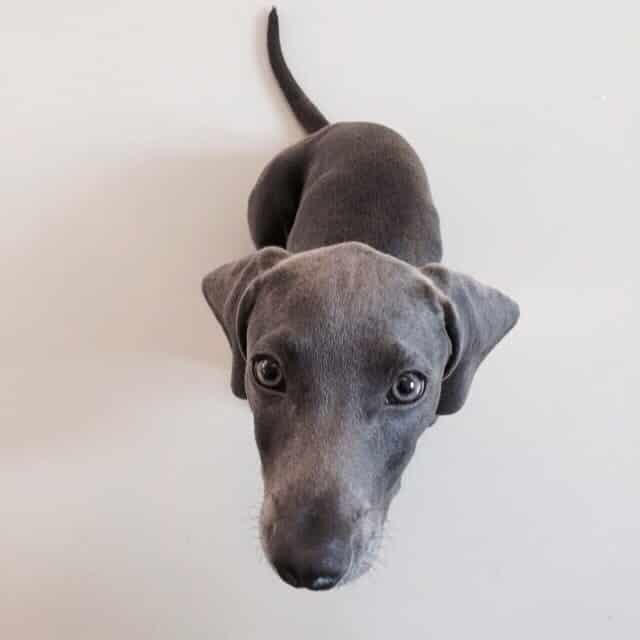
[364, 559]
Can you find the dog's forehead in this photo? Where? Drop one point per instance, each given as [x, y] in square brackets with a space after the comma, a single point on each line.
[348, 292]
[346, 274]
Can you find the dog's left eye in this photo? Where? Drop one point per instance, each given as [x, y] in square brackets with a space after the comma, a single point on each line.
[268, 373]
[407, 388]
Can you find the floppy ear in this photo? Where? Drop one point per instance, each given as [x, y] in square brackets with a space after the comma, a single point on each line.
[226, 289]
[477, 317]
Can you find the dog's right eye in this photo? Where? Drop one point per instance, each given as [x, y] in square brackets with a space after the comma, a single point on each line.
[268, 373]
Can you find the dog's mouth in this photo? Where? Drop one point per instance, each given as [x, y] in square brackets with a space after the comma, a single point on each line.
[363, 559]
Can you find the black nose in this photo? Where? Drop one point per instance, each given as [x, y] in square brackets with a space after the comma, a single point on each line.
[317, 568]
[308, 578]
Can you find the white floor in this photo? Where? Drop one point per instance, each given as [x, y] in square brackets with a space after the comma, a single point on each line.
[129, 482]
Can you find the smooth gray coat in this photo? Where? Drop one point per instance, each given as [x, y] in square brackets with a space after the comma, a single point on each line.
[344, 293]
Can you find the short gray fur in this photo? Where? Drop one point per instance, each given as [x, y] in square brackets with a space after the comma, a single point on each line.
[345, 291]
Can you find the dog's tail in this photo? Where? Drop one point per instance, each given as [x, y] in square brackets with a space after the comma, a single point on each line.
[304, 110]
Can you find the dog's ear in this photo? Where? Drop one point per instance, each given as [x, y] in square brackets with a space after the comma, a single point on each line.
[477, 317]
[230, 291]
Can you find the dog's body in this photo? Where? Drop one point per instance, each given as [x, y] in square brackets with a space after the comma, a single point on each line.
[356, 337]
[352, 181]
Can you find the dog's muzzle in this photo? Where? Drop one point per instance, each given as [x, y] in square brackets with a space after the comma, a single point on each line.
[311, 543]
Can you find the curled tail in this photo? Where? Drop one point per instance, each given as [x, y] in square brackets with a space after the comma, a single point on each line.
[304, 110]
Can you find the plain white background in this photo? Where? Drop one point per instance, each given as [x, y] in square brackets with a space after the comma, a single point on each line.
[131, 134]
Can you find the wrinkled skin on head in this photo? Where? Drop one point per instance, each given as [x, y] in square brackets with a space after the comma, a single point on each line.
[343, 322]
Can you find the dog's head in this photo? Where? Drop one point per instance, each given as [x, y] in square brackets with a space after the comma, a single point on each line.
[346, 356]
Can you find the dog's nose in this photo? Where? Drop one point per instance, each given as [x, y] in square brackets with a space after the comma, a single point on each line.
[317, 568]
[308, 579]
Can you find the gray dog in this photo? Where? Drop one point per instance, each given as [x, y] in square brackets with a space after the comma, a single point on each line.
[348, 336]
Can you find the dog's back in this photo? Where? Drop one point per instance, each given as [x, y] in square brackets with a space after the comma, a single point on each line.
[350, 181]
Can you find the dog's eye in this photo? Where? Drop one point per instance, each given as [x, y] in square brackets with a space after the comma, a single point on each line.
[407, 388]
[268, 373]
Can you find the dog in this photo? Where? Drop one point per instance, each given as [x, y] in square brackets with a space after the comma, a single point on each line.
[348, 336]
